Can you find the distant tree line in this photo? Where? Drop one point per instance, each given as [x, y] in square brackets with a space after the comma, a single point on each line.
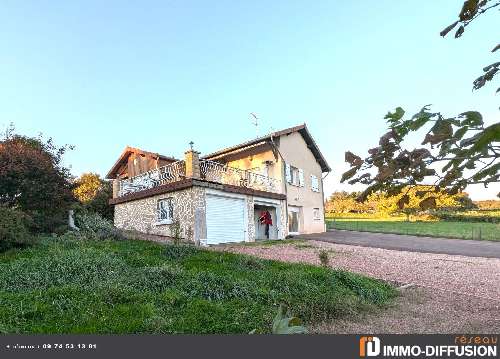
[408, 202]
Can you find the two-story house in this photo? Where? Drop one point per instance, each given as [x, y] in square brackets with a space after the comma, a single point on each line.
[266, 188]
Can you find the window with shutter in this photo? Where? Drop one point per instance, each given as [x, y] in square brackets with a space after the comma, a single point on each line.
[314, 183]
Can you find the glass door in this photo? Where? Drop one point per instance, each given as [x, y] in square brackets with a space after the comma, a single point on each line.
[293, 220]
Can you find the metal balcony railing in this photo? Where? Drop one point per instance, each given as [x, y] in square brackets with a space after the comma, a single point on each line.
[209, 171]
[220, 173]
[162, 175]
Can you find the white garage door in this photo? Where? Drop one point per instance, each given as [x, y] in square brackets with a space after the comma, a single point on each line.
[225, 219]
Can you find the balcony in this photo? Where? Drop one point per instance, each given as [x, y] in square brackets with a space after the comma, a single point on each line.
[153, 178]
[220, 173]
[208, 171]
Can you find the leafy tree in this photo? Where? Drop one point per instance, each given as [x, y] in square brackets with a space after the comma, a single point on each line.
[471, 10]
[345, 202]
[94, 194]
[408, 202]
[458, 151]
[87, 186]
[33, 179]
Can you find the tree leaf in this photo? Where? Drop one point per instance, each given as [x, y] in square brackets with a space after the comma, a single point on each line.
[442, 128]
[490, 134]
[469, 9]
[459, 32]
[447, 29]
[418, 122]
[490, 171]
[491, 66]
[348, 174]
[460, 133]
[352, 159]
[472, 118]
[395, 116]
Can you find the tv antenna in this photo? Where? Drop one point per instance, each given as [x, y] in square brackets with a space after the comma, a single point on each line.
[255, 122]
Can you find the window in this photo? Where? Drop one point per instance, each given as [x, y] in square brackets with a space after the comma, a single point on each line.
[294, 175]
[314, 183]
[165, 210]
[316, 214]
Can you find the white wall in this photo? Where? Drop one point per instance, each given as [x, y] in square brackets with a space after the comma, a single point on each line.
[294, 150]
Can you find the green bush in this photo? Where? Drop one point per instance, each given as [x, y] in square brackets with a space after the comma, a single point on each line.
[14, 229]
[471, 216]
[62, 229]
[93, 226]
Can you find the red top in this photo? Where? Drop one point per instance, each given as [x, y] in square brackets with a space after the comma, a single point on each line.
[265, 218]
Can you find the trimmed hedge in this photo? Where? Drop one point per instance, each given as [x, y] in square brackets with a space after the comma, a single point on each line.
[457, 217]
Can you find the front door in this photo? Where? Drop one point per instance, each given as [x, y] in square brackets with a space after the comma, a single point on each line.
[293, 220]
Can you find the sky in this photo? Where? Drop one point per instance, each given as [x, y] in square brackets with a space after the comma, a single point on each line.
[159, 74]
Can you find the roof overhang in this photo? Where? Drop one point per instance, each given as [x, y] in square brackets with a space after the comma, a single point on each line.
[125, 155]
[302, 129]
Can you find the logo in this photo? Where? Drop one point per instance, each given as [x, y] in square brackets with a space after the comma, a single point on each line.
[369, 347]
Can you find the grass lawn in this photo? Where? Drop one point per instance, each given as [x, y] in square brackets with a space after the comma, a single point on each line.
[462, 230]
[71, 286]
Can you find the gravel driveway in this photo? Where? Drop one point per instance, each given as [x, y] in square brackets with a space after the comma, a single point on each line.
[448, 293]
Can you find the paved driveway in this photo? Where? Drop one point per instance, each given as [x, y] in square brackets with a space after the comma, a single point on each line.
[470, 248]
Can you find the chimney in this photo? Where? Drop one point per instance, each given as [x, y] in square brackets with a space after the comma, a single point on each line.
[192, 159]
[116, 187]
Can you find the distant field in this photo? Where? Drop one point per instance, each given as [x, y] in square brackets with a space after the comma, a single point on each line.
[462, 230]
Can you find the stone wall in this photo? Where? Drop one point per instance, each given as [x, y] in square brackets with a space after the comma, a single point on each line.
[189, 208]
[141, 215]
[251, 219]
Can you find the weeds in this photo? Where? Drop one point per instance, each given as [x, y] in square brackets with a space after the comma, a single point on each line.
[324, 257]
[101, 286]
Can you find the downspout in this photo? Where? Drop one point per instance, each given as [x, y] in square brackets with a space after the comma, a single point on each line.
[323, 192]
[283, 168]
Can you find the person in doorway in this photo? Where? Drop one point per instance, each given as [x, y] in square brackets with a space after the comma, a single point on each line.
[266, 219]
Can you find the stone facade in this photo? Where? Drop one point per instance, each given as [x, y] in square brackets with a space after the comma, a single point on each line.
[141, 215]
[189, 208]
[251, 222]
